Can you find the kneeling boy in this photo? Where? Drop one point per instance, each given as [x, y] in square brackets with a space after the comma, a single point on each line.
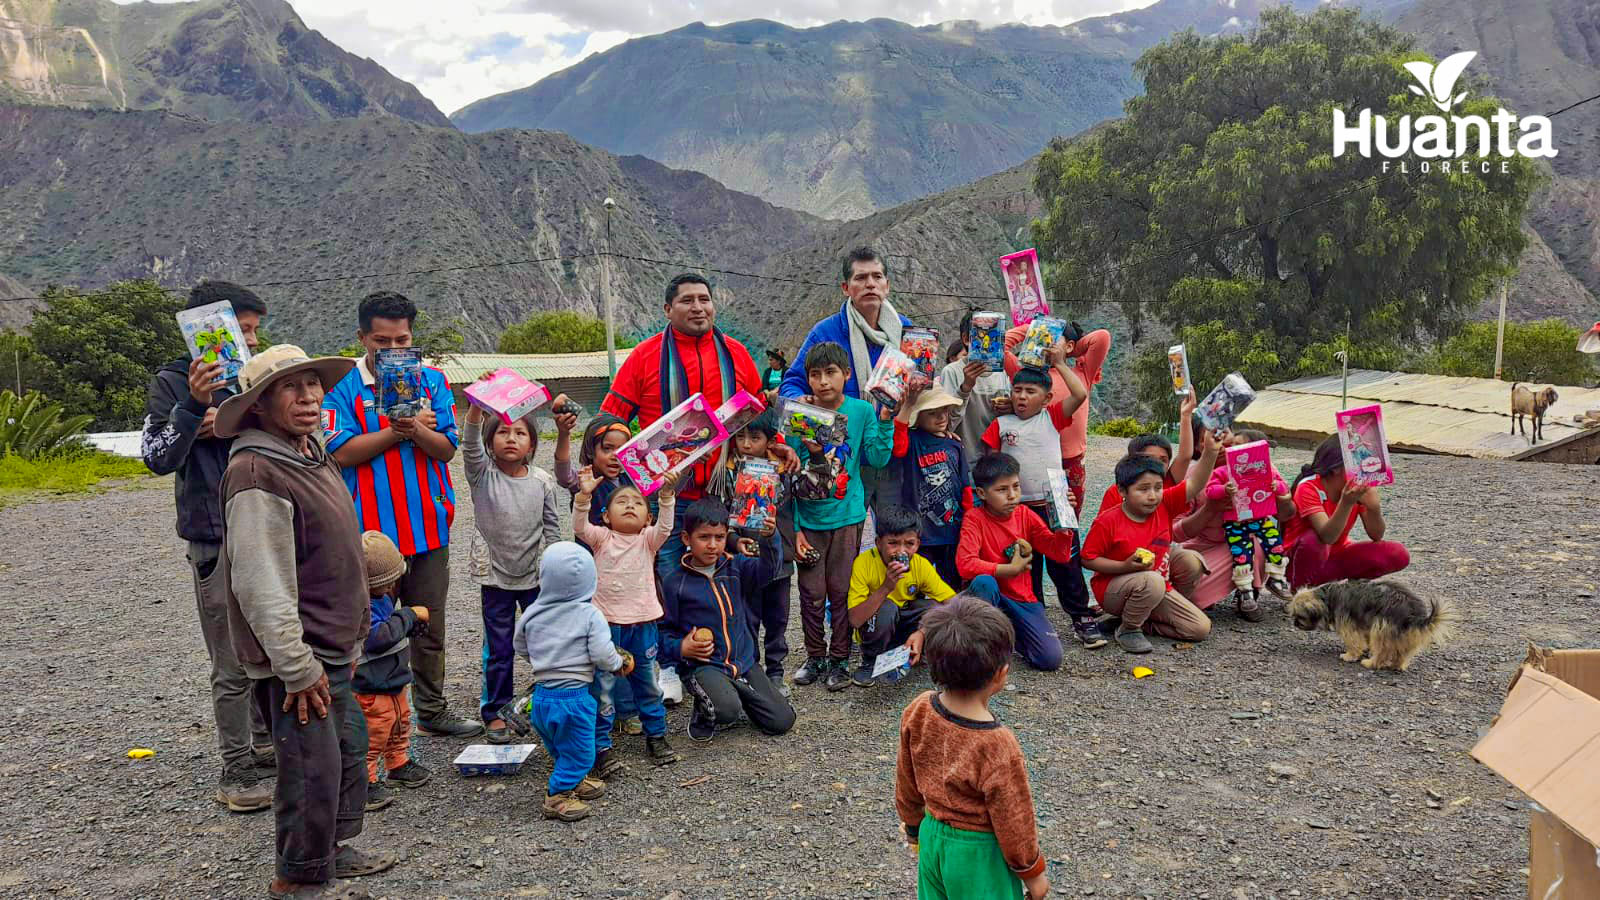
[706, 627]
[891, 587]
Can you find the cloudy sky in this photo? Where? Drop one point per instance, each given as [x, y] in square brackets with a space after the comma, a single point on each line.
[458, 51]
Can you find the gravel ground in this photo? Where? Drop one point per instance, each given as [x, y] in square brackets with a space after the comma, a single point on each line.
[1252, 765]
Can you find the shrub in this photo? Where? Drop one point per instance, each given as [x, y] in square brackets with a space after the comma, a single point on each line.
[32, 427]
[1125, 427]
[558, 332]
[1543, 352]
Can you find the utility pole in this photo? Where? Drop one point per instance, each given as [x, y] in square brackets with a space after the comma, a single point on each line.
[1500, 333]
[605, 291]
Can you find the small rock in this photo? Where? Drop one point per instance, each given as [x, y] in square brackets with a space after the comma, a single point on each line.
[1434, 795]
[1321, 824]
[1283, 770]
[477, 864]
[1509, 804]
[1242, 716]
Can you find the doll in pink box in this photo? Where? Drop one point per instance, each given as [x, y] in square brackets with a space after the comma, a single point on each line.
[1256, 494]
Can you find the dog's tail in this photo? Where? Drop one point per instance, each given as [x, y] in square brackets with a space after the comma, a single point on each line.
[1440, 626]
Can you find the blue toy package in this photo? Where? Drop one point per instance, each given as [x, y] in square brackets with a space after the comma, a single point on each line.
[987, 341]
[213, 335]
[399, 378]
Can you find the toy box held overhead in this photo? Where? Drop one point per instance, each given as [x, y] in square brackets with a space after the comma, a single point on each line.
[1229, 398]
[1365, 445]
[1024, 286]
[508, 395]
[1250, 467]
[1043, 333]
[987, 341]
[739, 411]
[755, 495]
[399, 387]
[892, 376]
[1178, 362]
[213, 335]
[922, 346]
[493, 759]
[672, 443]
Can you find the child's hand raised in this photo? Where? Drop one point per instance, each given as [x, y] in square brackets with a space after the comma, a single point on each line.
[565, 421]
[1186, 407]
[587, 481]
[669, 484]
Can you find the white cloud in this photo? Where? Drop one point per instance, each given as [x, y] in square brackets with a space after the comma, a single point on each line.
[462, 50]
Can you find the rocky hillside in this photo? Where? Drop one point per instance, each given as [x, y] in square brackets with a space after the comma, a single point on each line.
[14, 316]
[215, 59]
[88, 197]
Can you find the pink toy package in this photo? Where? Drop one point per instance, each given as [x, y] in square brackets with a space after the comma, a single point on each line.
[1365, 445]
[740, 411]
[1024, 286]
[1250, 466]
[508, 395]
[675, 442]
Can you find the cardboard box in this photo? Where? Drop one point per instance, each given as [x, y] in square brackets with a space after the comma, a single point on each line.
[1546, 742]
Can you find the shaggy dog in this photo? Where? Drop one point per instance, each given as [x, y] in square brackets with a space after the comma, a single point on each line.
[1381, 618]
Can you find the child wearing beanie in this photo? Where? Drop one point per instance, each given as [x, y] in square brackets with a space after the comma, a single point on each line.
[384, 671]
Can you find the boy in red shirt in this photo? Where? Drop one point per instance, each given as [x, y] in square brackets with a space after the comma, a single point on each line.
[1127, 549]
[999, 537]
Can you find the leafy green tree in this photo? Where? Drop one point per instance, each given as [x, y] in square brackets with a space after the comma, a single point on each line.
[558, 332]
[21, 367]
[102, 348]
[1544, 352]
[1178, 208]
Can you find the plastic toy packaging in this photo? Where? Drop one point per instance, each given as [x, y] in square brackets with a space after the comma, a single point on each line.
[490, 759]
[740, 411]
[1250, 466]
[1220, 407]
[1043, 333]
[672, 443]
[891, 376]
[922, 345]
[1365, 445]
[1062, 517]
[1178, 362]
[805, 422]
[508, 395]
[755, 495]
[400, 382]
[1024, 286]
[988, 341]
[213, 335]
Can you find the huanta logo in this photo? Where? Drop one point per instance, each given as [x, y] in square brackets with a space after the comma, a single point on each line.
[1438, 138]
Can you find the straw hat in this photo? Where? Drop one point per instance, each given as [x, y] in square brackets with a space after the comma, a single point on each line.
[262, 370]
[938, 398]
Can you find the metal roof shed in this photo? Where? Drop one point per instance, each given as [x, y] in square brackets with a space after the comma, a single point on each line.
[582, 376]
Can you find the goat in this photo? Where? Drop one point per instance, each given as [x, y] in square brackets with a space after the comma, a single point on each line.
[1526, 401]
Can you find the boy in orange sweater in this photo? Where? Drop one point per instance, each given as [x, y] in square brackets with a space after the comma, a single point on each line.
[961, 783]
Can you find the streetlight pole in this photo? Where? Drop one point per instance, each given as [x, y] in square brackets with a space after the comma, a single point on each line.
[605, 291]
[1500, 334]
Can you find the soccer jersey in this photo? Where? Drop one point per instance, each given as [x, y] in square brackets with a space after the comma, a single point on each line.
[402, 492]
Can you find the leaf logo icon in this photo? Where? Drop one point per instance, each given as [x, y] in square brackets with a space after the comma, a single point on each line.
[1439, 82]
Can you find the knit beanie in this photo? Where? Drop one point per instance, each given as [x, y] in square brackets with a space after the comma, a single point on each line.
[385, 565]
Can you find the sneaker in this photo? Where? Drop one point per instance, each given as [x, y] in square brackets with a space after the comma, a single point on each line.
[500, 735]
[606, 765]
[379, 795]
[862, 676]
[702, 729]
[1133, 640]
[894, 676]
[1089, 633]
[412, 774]
[661, 752]
[838, 676]
[449, 725]
[515, 714]
[629, 726]
[564, 807]
[671, 685]
[813, 669]
[1279, 586]
[265, 761]
[241, 790]
[1249, 607]
[589, 789]
[784, 690]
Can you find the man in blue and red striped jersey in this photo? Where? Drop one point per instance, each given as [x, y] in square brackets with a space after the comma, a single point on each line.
[398, 471]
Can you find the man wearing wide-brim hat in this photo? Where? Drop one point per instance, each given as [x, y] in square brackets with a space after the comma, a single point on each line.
[296, 584]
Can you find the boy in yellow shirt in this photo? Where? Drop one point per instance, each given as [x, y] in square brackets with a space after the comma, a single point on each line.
[891, 586]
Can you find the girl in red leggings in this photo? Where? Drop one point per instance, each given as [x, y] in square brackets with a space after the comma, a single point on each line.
[1326, 508]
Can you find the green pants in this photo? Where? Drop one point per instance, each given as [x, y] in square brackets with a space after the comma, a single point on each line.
[961, 865]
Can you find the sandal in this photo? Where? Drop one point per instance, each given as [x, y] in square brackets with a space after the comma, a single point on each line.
[351, 862]
[328, 890]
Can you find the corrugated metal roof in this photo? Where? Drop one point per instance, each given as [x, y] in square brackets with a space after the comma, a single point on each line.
[1421, 413]
[121, 443]
[460, 368]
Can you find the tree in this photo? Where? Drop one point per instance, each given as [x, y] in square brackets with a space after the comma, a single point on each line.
[1181, 204]
[558, 332]
[102, 348]
[1543, 352]
[21, 367]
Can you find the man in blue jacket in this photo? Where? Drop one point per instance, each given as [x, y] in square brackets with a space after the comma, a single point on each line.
[705, 628]
[865, 323]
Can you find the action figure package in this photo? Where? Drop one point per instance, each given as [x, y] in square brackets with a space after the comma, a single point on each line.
[1043, 333]
[891, 377]
[213, 335]
[1062, 517]
[740, 411]
[1024, 286]
[1220, 407]
[804, 422]
[399, 378]
[988, 341]
[922, 345]
[1178, 362]
[1250, 467]
[755, 495]
[673, 443]
[508, 395]
[1365, 445]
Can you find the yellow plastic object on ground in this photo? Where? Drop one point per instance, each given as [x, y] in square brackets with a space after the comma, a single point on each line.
[1142, 672]
[141, 753]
